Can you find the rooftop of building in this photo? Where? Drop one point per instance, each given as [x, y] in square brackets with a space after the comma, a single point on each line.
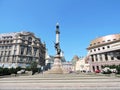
[105, 39]
[14, 34]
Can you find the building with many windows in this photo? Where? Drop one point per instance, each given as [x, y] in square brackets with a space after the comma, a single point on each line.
[20, 48]
[104, 51]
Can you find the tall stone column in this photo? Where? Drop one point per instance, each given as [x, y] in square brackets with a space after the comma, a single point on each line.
[103, 57]
[25, 51]
[19, 50]
[57, 65]
[98, 57]
[94, 57]
[32, 51]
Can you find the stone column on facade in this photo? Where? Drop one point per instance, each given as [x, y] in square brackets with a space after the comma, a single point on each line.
[10, 59]
[114, 55]
[115, 58]
[98, 57]
[32, 51]
[25, 51]
[100, 68]
[95, 66]
[16, 58]
[3, 53]
[103, 57]
[37, 53]
[18, 50]
[94, 57]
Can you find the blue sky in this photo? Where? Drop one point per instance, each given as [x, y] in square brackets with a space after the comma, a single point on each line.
[80, 21]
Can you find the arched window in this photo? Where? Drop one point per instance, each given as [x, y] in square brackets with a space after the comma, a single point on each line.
[29, 40]
[35, 51]
[22, 50]
[29, 51]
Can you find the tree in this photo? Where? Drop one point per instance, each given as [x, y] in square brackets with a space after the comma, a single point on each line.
[33, 67]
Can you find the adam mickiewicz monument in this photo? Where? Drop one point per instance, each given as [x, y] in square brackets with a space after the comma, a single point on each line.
[57, 65]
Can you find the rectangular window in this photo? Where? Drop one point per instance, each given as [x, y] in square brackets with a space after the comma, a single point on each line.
[22, 50]
[106, 57]
[9, 53]
[92, 58]
[97, 67]
[14, 52]
[15, 46]
[7, 58]
[35, 51]
[100, 57]
[10, 47]
[5, 53]
[96, 57]
[1, 53]
[112, 58]
[93, 68]
[5, 47]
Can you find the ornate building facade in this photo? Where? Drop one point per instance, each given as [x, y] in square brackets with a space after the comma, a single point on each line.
[80, 64]
[20, 48]
[104, 51]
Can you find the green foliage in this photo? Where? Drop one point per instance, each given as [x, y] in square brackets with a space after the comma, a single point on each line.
[18, 68]
[107, 72]
[34, 67]
[6, 71]
[112, 66]
[13, 71]
[117, 67]
[1, 71]
[28, 68]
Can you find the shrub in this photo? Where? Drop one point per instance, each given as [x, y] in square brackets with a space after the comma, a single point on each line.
[13, 71]
[34, 67]
[28, 68]
[6, 71]
[1, 71]
[117, 67]
[106, 70]
[18, 68]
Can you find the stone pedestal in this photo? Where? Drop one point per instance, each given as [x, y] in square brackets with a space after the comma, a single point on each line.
[57, 66]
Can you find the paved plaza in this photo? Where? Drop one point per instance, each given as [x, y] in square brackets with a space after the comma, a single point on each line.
[61, 82]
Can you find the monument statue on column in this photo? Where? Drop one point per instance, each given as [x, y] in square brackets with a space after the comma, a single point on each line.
[57, 44]
[57, 65]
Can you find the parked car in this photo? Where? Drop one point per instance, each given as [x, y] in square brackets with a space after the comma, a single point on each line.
[97, 71]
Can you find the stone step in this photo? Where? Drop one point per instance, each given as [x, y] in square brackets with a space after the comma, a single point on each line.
[60, 82]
